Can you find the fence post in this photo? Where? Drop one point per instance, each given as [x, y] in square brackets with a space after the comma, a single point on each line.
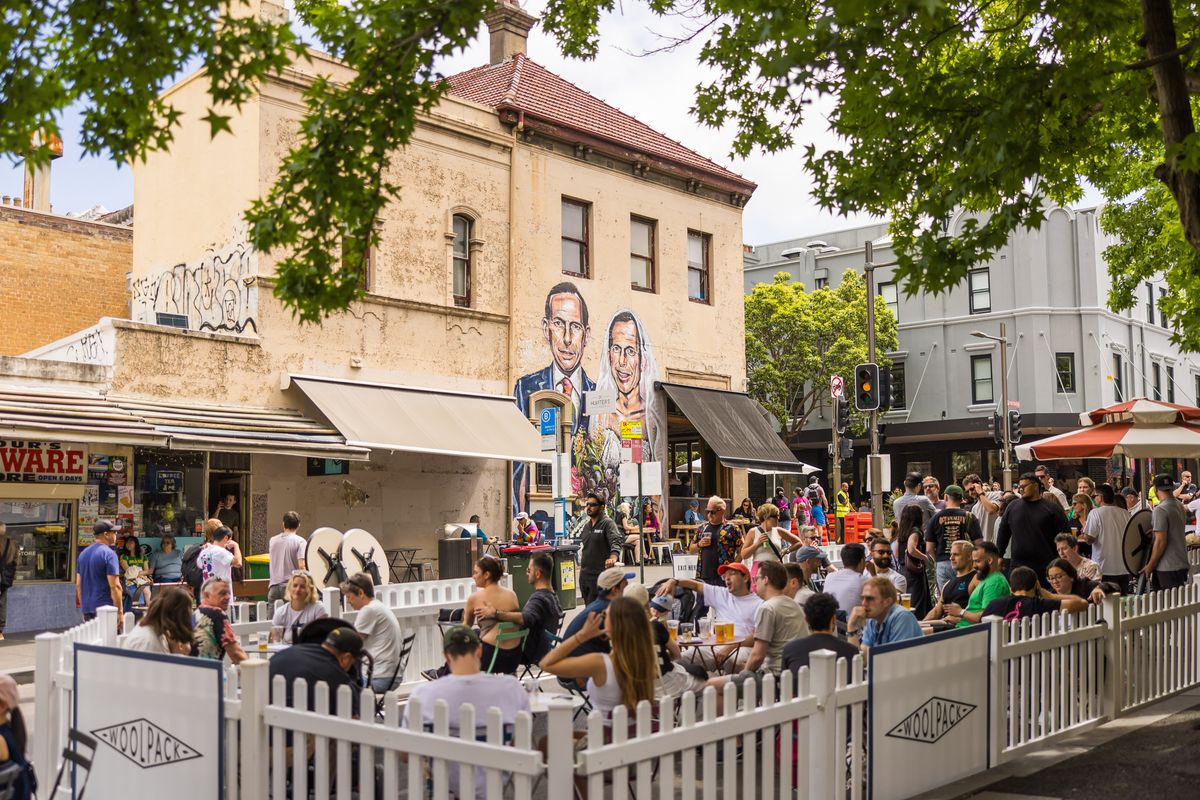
[47, 720]
[998, 691]
[254, 755]
[823, 733]
[560, 748]
[108, 617]
[1114, 670]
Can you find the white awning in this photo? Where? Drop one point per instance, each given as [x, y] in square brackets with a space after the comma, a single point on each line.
[417, 420]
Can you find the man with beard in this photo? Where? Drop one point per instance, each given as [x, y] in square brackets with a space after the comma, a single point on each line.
[881, 557]
[992, 585]
[957, 590]
[600, 545]
[1032, 522]
[565, 326]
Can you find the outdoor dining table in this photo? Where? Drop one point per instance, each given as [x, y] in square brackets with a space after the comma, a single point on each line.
[402, 565]
[684, 532]
[696, 643]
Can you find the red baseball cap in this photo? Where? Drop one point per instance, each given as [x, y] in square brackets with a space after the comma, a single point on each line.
[734, 565]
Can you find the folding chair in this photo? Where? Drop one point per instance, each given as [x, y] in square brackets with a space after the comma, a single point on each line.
[527, 671]
[9, 776]
[76, 738]
[406, 646]
[507, 632]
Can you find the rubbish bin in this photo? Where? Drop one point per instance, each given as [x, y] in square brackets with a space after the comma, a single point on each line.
[455, 557]
[565, 573]
[517, 560]
[258, 567]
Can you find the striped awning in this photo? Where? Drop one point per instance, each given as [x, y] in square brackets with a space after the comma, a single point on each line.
[88, 418]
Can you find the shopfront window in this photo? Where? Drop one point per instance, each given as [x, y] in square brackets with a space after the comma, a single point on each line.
[41, 531]
[168, 492]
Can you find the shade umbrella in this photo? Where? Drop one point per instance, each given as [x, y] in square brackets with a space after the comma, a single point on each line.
[1171, 440]
[1140, 411]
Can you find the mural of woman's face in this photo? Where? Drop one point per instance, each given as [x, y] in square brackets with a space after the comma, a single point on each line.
[625, 357]
[565, 331]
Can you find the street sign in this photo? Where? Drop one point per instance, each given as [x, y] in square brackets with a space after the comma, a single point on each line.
[598, 402]
[1014, 404]
[549, 429]
[836, 385]
[631, 429]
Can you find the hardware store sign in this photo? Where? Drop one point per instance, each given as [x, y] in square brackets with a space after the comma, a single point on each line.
[28, 461]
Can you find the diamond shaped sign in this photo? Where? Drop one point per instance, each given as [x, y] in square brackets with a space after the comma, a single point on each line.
[145, 744]
[931, 721]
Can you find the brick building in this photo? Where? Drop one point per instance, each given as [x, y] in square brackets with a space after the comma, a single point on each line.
[58, 275]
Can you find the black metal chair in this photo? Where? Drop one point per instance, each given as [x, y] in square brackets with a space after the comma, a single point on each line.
[10, 775]
[71, 754]
[406, 646]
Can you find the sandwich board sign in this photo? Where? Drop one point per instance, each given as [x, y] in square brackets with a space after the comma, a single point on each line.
[158, 722]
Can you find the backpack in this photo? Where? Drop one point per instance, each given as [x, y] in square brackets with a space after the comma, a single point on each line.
[190, 569]
[814, 497]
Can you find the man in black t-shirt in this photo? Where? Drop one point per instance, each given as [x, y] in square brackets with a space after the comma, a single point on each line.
[1030, 523]
[1029, 600]
[950, 525]
[541, 612]
[600, 545]
[957, 590]
[820, 612]
[329, 663]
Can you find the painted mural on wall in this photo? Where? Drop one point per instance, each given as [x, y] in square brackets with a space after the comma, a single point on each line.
[217, 292]
[626, 371]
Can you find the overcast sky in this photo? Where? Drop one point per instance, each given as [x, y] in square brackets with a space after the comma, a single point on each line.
[657, 89]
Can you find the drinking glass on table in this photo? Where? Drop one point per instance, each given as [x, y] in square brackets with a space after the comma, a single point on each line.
[673, 629]
[685, 631]
[703, 628]
[906, 601]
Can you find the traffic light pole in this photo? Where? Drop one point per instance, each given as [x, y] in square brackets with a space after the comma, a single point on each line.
[1005, 424]
[874, 462]
[836, 483]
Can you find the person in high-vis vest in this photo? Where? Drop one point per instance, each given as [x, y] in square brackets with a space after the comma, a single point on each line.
[842, 508]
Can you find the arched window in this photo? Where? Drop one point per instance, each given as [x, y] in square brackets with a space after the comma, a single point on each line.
[463, 226]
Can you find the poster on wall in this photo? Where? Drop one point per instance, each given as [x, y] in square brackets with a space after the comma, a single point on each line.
[171, 737]
[621, 358]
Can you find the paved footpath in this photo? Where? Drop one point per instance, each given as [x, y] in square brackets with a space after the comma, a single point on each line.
[1153, 751]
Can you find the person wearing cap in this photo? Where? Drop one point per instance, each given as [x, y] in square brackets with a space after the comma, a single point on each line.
[733, 602]
[692, 515]
[466, 684]
[379, 630]
[946, 527]
[97, 573]
[333, 662]
[1168, 563]
[1133, 499]
[600, 544]
[609, 586]
[525, 530]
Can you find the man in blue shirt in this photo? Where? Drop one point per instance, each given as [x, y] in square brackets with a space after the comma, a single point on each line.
[97, 573]
[887, 620]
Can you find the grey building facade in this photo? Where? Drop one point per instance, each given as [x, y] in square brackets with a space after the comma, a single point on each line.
[1067, 351]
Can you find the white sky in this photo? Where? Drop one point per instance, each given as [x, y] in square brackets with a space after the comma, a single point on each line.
[657, 89]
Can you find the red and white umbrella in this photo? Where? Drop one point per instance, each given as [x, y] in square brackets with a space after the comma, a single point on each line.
[1140, 411]
[1170, 440]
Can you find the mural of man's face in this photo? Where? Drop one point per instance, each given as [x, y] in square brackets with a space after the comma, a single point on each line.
[625, 357]
[565, 331]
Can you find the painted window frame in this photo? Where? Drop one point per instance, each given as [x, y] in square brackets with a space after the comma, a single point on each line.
[894, 303]
[976, 397]
[1065, 386]
[464, 258]
[704, 269]
[648, 260]
[585, 244]
[1156, 380]
[974, 291]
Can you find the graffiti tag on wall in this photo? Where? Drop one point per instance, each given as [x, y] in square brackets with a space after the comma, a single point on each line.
[215, 293]
[89, 348]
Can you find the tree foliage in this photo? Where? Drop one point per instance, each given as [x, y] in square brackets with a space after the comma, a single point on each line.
[940, 106]
[796, 340]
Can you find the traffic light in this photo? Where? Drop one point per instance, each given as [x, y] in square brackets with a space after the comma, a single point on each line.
[997, 431]
[885, 387]
[866, 387]
[842, 412]
[1014, 427]
[882, 436]
[847, 451]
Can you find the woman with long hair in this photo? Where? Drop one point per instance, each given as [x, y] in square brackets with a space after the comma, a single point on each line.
[626, 675]
[166, 627]
[13, 739]
[133, 570]
[745, 510]
[302, 605]
[918, 565]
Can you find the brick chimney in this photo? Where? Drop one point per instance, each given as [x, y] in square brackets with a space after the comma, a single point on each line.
[508, 29]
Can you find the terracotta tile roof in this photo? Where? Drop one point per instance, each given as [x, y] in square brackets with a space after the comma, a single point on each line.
[521, 84]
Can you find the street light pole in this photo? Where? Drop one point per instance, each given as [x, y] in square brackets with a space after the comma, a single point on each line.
[874, 462]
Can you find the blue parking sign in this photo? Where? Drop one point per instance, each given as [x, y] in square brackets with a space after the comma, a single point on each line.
[549, 421]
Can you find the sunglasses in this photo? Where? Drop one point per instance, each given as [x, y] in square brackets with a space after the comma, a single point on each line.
[591, 505]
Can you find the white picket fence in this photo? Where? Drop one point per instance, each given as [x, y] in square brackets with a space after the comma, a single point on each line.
[1051, 677]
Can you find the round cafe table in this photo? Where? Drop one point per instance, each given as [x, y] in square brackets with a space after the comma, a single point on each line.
[696, 644]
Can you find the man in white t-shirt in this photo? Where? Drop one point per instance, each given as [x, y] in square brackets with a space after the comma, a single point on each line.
[732, 603]
[215, 560]
[1105, 529]
[881, 557]
[847, 583]
[287, 555]
[378, 628]
[468, 685]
